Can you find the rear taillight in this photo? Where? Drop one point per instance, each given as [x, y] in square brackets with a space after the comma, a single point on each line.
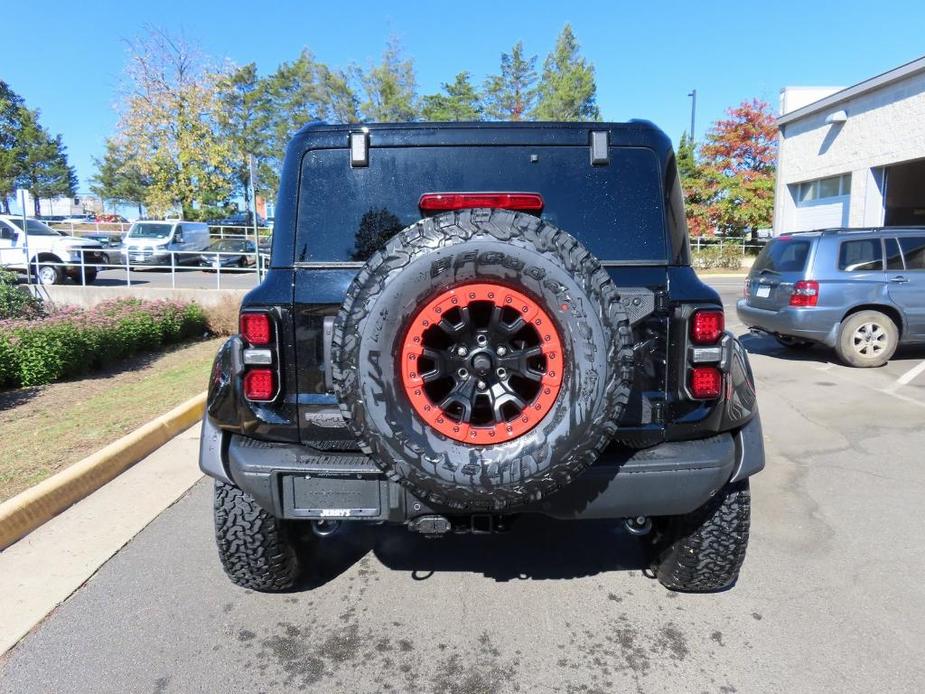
[256, 329]
[707, 327]
[441, 202]
[259, 384]
[805, 293]
[706, 382]
[260, 352]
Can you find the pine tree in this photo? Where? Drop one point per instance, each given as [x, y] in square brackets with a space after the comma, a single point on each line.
[118, 178]
[459, 102]
[11, 105]
[244, 119]
[511, 95]
[42, 160]
[390, 88]
[567, 90]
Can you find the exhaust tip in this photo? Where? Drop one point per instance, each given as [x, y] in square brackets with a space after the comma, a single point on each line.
[323, 528]
[639, 525]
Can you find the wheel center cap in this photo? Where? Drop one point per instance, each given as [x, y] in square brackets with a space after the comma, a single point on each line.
[481, 364]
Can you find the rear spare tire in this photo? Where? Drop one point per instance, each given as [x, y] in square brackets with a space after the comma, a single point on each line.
[482, 358]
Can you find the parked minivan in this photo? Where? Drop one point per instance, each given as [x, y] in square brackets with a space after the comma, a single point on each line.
[859, 291]
[167, 242]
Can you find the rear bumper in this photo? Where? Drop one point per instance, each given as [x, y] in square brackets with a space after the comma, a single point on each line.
[298, 482]
[818, 324]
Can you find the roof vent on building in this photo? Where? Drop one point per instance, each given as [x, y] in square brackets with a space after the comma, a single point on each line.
[838, 117]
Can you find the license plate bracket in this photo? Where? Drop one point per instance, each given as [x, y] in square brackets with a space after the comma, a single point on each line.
[315, 496]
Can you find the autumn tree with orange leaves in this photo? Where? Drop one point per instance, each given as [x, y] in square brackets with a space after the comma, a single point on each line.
[729, 183]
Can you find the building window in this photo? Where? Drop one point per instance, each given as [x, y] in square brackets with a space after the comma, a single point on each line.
[824, 188]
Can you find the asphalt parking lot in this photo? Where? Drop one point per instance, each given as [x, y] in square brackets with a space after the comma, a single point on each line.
[830, 598]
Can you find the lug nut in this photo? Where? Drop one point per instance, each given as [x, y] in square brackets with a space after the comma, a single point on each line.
[482, 385]
[501, 373]
[501, 351]
[463, 373]
[462, 351]
[481, 339]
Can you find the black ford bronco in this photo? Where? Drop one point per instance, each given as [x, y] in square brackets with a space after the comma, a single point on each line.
[465, 323]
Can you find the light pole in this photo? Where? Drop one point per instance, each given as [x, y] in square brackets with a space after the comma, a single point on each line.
[693, 96]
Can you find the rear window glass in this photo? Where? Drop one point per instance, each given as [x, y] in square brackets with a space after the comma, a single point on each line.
[914, 251]
[862, 255]
[346, 213]
[783, 255]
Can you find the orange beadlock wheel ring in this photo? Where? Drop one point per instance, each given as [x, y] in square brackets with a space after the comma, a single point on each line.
[482, 363]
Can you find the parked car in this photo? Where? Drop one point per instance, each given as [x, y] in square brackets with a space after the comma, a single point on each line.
[239, 219]
[165, 243]
[859, 291]
[79, 219]
[222, 253]
[52, 255]
[111, 219]
[425, 354]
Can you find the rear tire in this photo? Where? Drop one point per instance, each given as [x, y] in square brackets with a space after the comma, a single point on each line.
[257, 550]
[867, 339]
[702, 551]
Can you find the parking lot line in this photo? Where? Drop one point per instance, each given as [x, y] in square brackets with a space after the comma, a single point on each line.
[911, 374]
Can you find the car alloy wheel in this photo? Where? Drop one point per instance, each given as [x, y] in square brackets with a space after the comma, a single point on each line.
[870, 339]
[482, 363]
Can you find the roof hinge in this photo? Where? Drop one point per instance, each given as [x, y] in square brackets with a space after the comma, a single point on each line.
[600, 154]
[359, 148]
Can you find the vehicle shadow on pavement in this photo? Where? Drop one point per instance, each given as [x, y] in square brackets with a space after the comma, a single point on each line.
[535, 548]
[769, 347]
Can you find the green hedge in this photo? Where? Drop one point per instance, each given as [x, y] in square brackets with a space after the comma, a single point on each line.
[16, 301]
[72, 341]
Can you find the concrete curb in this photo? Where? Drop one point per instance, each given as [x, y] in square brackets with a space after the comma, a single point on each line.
[28, 510]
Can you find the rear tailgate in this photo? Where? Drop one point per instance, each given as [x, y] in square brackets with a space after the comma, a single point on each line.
[346, 213]
[783, 262]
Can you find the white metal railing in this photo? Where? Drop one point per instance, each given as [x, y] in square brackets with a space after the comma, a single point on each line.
[85, 267]
[120, 228]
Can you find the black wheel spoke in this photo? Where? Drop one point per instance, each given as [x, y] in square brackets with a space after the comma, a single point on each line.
[482, 364]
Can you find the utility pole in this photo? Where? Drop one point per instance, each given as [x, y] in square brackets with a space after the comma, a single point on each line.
[252, 174]
[693, 96]
[25, 238]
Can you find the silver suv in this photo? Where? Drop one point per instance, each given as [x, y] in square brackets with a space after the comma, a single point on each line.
[861, 291]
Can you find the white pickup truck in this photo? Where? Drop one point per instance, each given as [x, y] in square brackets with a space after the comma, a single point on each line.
[52, 255]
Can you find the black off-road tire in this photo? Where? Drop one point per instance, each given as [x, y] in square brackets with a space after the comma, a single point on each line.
[847, 335]
[702, 552]
[257, 550]
[511, 249]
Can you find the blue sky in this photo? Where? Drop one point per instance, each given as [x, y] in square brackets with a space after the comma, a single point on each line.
[66, 58]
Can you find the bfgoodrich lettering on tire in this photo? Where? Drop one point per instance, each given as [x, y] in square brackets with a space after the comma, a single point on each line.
[482, 358]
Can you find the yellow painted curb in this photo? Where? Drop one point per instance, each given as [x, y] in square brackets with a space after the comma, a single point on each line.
[28, 510]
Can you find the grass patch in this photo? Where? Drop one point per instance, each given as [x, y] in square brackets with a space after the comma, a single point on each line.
[47, 428]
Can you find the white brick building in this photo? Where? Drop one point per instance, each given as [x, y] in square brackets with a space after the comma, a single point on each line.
[853, 157]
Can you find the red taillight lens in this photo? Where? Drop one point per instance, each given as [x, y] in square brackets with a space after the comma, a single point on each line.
[259, 384]
[707, 327]
[255, 328]
[805, 293]
[440, 202]
[706, 382]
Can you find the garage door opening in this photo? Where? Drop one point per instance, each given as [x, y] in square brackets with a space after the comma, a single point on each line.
[905, 194]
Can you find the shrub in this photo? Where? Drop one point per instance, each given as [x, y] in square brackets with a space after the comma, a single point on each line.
[72, 341]
[222, 319]
[16, 302]
[726, 256]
